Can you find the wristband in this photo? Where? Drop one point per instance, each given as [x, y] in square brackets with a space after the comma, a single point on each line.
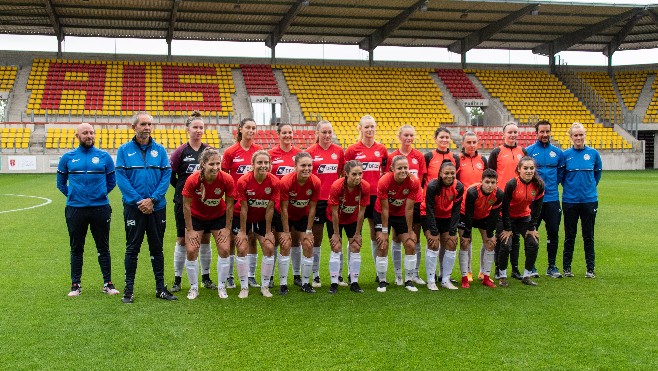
[309, 231]
[384, 230]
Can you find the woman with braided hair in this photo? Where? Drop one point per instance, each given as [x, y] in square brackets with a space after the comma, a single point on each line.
[205, 212]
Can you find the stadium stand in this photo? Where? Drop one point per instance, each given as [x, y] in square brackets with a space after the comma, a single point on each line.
[652, 110]
[268, 138]
[15, 138]
[7, 77]
[119, 88]
[393, 96]
[602, 85]
[458, 83]
[259, 79]
[630, 85]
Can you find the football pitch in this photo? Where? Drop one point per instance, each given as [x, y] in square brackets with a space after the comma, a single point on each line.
[608, 322]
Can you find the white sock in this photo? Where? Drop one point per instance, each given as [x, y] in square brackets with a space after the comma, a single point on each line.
[253, 261]
[502, 273]
[482, 261]
[418, 256]
[334, 266]
[340, 265]
[266, 269]
[449, 258]
[463, 262]
[231, 262]
[381, 263]
[316, 261]
[396, 248]
[355, 266]
[409, 267]
[205, 257]
[284, 265]
[275, 256]
[373, 247]
[526, 273]
[442, 253]
[296, 257]
[180, 253]
[192, 268]
[243, 271]
[223, 265]
[430, 264]
[487, 261]
[470, 258]
[307, 267]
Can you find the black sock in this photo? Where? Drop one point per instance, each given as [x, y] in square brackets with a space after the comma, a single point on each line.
[177, 280]
[205, 277]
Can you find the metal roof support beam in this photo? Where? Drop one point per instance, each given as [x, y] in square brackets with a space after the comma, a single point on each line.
[172, 23]
[619, 38]
[478, 37]
[653, 15]
[282, 27]
[57, 27]
[565, 42]
[369, 43]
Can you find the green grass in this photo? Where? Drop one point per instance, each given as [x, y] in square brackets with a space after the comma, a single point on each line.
[606, 323]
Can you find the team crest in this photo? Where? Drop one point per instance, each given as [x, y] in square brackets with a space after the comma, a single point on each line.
[94, 160]
[357, 198]
[552, 154]
[586, 157]
[414, 161]
[490, 202]
[309, 192]
[268, 190]
[334, 156]
[218, 191]
[154, 153]
[479, 166]
[533, 193]
[519, 156]
[377, 153]
[451, 197]
[405, 192]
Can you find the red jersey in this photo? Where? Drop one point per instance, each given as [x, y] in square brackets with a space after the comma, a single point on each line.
[396, 193]
[299, 196]
[348, 202]
[283, 162]
[257, 195]
[504, 160]
[519, 196]
[433, 161]
[478, 206]
[373, 158]
[471, 168]
[213, 205]
[327, 165]
[236, 161]
[442, 201]
[417, 166]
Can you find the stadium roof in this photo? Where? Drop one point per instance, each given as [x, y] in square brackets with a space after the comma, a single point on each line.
[545, 28]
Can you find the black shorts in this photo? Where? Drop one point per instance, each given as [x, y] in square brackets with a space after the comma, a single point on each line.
[209, 225]
[320, 213]
[277, 226]
[416, 213]
[180, 220]
[299, 225]
[350, 229]
[476, 223]
[370, 209]
[399, 223]
[443, 225]
[258, 228]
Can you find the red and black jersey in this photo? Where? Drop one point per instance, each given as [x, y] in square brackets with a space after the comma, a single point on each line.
[433, 161]
[477, 205]
[471, 168]
[348, 202]
[327, 165]
[184, 161]
[396, 193]
[504, 159]
[522, 200]
[373, 158]
[212, 205]
[298, 196]
[257, 195]
[283, 162]
[237, 161]
[417, 167]
[442, 201]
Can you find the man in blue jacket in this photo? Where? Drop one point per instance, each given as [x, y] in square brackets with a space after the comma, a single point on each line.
[550, 165]
[86, 176]
[143, 174]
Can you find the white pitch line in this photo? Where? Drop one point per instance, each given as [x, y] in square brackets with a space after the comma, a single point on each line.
[47, 201]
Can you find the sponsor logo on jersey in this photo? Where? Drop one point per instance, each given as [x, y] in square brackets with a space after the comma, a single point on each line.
[243, 169]
[189, 158]
[277, 161]
[283, 170]
[359, 157]
[396, 201]
[334, 156]
[299, 203]
[268, 190]
[317, 158]
[238, 159]
[75, 160]
[292, 194]
[212, 202]
[95, 160]
[251, 193]
[371, 166]
[258, 203]
[154, 153]
[348, 209]
[328, 169]
[586, 157]
[130, 154]
[192, 168]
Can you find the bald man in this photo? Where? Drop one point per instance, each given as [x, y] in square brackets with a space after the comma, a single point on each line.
[86, 176]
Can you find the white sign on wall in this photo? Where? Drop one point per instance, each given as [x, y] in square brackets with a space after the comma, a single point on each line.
[21, 163]
[266, 99]
[475, 102]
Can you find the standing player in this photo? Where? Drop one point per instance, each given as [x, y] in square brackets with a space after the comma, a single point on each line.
[184, 161]
[503, 160]
[396, 195]
[143, 175]
[328, 160]
[205, 212]
[582, 173]
[374, 157]
[257, 192]
[550, 165]
[417, 168]
[521, 209]
[480, 209]
[237, 162]
[440, 209]
[89, 173]
[471, 167]
[300, 192]
[347, 204]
